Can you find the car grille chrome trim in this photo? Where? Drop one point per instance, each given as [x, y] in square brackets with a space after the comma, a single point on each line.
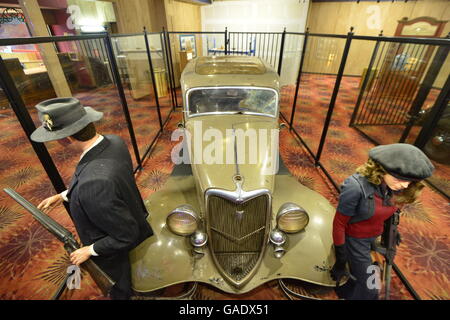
[237, 239]
[238, 242]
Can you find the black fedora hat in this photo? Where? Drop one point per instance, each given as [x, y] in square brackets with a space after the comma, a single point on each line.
[61, 118]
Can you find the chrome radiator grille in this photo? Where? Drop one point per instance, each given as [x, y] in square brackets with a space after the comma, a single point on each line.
[238, 233]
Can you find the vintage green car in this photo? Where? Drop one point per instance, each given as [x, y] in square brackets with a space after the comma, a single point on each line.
[231, 219]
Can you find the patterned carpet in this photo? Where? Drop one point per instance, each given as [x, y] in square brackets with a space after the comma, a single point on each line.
[312, 105]
[424, 254]
[34, 263]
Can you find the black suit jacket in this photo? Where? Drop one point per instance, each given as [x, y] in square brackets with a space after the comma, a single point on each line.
[107, 208]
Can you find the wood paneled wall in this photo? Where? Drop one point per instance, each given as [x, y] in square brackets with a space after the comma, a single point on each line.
[338, 17]
[38, 28]
[133, 15]
[158, 15]
[182, 16]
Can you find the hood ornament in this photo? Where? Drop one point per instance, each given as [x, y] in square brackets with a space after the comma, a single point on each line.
[239, 214]
[239, 180]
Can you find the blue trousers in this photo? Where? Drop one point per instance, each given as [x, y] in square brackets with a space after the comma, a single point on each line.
[361, 267]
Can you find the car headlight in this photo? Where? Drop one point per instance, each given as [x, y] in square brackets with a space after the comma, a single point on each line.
[292, 218]
[183, 220]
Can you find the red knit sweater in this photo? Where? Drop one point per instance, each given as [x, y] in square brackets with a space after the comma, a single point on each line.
[372, 227]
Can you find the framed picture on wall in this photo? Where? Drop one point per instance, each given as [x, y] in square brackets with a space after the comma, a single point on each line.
[187, 43]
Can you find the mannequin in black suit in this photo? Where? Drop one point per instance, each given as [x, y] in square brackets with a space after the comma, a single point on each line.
[105, 205]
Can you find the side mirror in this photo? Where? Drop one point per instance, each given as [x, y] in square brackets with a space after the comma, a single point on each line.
[283, 126]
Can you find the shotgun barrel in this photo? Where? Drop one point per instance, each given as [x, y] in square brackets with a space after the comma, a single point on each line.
[104, 282]
[390, 241]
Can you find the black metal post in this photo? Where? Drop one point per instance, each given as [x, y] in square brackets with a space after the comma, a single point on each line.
[404, 92]
[105, 56]
[425, 88]
[366, 80]
[276, 46]
[149, 57]
[85, 51]
[19, 108]
[335, 93]
[123, 99]
[368, 99]
[226, 41]
[167, 64]
[319, 164]
[37, 40]
[258, 35]
[89, 49]
[300, 70]
[100, 50]
[280, 61]
[62, 286]
[405, 281]
[381, 103]
[439, 106]
[264, 47]
[149, 148]
[169, 51]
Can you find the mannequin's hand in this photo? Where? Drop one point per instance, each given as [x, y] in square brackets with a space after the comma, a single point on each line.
[81, 255]
[338, 272]
[50, 202]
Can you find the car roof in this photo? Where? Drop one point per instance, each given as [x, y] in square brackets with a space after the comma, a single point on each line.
[229, 71]
[229, 65]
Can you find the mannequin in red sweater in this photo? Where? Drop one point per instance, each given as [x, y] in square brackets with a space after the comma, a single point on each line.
[390, 178]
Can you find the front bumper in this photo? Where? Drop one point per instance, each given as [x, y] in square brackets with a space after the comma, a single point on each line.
[166, 259]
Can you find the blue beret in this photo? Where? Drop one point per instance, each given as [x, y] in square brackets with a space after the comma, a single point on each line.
[403, 161]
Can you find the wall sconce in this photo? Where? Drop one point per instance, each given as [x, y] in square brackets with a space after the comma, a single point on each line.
[92, 28]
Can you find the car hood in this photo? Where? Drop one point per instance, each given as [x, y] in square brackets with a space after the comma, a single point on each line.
[223, 146]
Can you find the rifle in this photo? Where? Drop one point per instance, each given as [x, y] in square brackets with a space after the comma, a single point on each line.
[390, 239]
[104, 282]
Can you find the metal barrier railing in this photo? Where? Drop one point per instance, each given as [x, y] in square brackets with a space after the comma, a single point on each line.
[248, 43]
[263, 44]
[92, 46]
[266, 45]
[441, 101]
[194, 43]
[442, 44]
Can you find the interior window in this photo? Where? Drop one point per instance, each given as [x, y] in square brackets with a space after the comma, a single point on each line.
[233, 100]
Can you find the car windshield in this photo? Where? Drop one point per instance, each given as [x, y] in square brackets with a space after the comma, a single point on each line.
[233, 100]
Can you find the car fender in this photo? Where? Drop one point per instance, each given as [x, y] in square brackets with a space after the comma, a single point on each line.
[166, 259]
